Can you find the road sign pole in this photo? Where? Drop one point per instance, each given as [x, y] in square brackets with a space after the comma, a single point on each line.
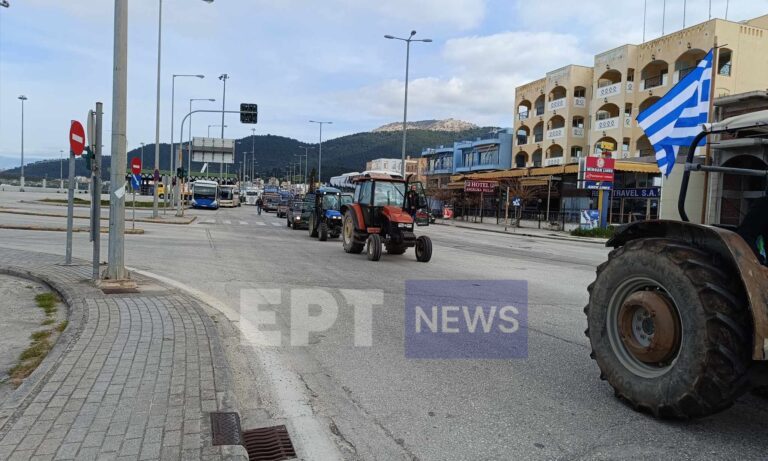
[70, 208]
[97, 143]
[116, 263]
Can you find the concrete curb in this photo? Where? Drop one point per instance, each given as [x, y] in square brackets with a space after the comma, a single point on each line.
[104, 230]
[187, 220]
[522, 234]
[75, 317]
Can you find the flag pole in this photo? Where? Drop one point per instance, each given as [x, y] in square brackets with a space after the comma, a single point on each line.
[710, 118]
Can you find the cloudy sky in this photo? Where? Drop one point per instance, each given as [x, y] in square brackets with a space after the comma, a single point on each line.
[303, 59]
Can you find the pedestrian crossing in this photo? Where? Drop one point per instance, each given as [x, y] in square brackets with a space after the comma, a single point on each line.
[258, 222]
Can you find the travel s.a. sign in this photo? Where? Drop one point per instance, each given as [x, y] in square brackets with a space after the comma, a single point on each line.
[643, 192]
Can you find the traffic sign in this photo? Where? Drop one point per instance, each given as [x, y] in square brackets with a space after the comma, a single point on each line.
[76, 138]
[136, 165]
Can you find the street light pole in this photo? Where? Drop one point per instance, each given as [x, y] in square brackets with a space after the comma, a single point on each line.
[142, 154]
[116, 263]
[172, 162]
[405, 105]
[223, 78]
[320, 151]
[157, 104]
[21, 179]
[61, 170]
[253, 146]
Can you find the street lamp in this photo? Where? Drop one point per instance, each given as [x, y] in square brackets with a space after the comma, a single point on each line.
[306, 156]
[223, 78]
[172, 163]
[320, 152]
[189, 144]
[142, 154]
[22, 98]
[405, 105]
[210, 126]
[61, 170]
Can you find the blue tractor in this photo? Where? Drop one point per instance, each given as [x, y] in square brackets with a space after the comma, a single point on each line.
[326, 219]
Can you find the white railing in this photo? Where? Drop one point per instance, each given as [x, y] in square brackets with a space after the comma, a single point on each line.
[556, 133]
[522, 116]
[607, 124]
[579, 102]
[554, 161]
[578, 131]
[556, 104]
[608, 91]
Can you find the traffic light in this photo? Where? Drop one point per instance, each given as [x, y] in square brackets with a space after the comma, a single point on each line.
[249, 113]
[88, 156]
[180, 173]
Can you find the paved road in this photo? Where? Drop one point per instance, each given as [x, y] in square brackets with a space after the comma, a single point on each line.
[373, 403]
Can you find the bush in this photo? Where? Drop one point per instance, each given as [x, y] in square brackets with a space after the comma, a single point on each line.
[598, 232]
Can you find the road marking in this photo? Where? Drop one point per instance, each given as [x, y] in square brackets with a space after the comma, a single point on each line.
[313, 439]
[243, 223]
[227, 221]
[261, 223]
[277, 224]
[207, 222]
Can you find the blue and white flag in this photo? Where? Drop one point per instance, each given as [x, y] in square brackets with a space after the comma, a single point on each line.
[675, 119]
[135, 181]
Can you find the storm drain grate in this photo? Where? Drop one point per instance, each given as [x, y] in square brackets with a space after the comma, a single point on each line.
[268, 444]
[119, 291]
[225, 428]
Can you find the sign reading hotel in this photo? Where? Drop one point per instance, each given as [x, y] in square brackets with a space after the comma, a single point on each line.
[480, 186]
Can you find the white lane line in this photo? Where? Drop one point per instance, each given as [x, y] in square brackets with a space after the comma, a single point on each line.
[207, 222]
[227, 221]
[277, 224]
[243, 223]
[261, 223]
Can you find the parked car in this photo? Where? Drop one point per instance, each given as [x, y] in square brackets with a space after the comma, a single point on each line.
[298, 214]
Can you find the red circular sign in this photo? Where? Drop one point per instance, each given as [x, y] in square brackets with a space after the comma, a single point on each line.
[76, 138]
[136, 165]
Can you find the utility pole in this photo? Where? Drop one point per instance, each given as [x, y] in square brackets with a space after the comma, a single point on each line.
[61, 170]
[116, 265]
[22, 98]
[223, 78]
[320, 150]
[157, 102]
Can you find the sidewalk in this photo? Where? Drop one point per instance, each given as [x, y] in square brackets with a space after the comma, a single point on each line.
[133, 376]
[522, 231]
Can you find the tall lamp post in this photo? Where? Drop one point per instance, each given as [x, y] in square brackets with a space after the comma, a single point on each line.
[172, 163]
[61, 170]
[189, 144]
[306, 169]
[22, 98]
[142, 154]
[320, 151]
[223, 78]
[407, 60]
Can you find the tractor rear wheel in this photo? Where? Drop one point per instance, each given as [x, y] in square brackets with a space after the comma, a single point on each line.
[323, 232]
[423, 249]
[669, 328]
[348, 235]
[373, 247]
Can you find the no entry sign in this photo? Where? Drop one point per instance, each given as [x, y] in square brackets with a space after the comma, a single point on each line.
[136, 165]
[76, 138]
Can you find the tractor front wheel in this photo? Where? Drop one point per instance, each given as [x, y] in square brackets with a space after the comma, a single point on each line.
[423, 249]
[373, 247]
[323, 232]
[348, 235]
[670, 329]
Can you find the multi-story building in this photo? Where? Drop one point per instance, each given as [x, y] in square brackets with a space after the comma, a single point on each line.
[488, 154]
[393, 165]
[550, 123]
[439, 166]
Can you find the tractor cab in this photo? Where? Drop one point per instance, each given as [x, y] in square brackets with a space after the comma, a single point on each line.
[326, 216]
[382, 211]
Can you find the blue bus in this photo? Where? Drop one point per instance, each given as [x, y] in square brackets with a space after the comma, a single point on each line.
[205, 194]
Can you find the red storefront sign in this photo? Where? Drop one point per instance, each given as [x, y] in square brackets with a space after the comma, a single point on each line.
[480, 186]
[599, 169]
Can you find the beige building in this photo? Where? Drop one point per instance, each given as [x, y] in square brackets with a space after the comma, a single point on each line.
[602, 102]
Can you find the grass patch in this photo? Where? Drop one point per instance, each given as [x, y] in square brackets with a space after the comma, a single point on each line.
[62, 326]
[37, 349]
[46, 300]
[48, 321]
[604, 233]
[40, 335]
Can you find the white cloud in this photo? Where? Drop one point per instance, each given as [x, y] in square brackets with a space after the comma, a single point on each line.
[463, 14]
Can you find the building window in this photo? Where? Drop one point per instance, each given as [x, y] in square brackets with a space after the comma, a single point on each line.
[579, 92]
[630, 75]
[576, 152]
[724, 62]
[628, 109]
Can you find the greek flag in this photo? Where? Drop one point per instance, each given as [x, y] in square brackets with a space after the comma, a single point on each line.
[674, 120]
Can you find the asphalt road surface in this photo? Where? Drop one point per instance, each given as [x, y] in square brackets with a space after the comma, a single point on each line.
[371, 402]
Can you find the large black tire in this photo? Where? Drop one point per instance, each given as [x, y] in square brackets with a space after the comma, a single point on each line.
[704, 368]
[396, 249]
[423, 249]
[312, 229]
[323, 232]
[287, 222]
[373, 247]
[348, 235]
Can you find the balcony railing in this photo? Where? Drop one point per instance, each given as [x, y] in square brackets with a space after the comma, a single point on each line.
[608, 91]
[580, 102]
[556, 133]
[522, 116]
[577, 132]
[607, 124]
[653, 82]
[557, 104]
[554, 161]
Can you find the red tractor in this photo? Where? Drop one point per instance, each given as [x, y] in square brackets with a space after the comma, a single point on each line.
[382, 214]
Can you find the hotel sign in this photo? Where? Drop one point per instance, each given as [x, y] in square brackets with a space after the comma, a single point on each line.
[480, 186]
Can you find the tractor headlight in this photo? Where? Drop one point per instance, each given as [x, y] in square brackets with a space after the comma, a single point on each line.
[405, 225]
[297, 218]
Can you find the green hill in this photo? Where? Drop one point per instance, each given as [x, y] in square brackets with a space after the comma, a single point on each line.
[275, 153]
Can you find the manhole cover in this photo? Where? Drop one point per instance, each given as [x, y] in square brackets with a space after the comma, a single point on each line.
[268, 444]
[225, 428]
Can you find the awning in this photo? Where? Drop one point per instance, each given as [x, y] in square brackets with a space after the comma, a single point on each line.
[455, 185]
[637, 167]
[534, 182]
